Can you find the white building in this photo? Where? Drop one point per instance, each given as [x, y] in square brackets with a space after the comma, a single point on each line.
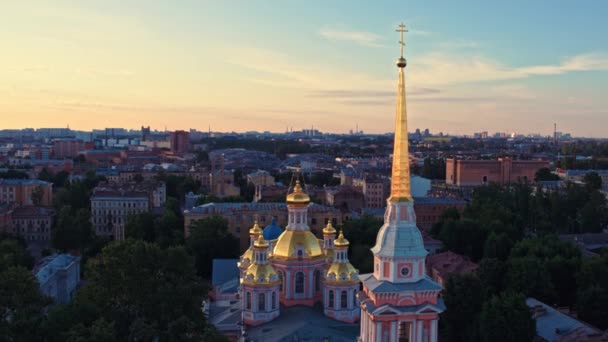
[58, 276]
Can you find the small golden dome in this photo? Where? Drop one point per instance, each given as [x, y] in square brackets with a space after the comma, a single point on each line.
[298, 196]
[291, 241]
[260, 274]
[341, 273]
[260, 243]
[341, 241]
[246, 259]
[255, 230]
[329, 229]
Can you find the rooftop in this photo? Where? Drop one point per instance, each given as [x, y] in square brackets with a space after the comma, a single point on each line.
[553, 325]
[379, 286]
[48, 266]
[13, 181]
[224, 270]
[449, 262]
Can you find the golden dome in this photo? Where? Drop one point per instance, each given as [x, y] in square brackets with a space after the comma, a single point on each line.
[260, 274]
[341, 241]
[329, 229]
[290, 240]
[342, 272]
[246, 259]
[260, 243]
[298, 196]
[255, 230]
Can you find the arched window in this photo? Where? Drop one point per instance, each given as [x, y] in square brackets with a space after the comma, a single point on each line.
[343, 300]
[248, 306]
[300, 282]
[317, 280]
[280, 274]
[331, 299]
[354, 298]
[261, 302]
[274, 300]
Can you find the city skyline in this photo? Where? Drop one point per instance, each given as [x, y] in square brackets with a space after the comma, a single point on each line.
[264, 67]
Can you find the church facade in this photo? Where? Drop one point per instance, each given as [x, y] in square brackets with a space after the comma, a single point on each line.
[297, 268]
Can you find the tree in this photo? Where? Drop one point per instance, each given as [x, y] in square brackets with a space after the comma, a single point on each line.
[209, 239]
[498, 246]
[13, 253]
[21, 305]
[544, 174]
[593, 181]
[140, 289]
[138, 178]
[506, 318]
[37, 195]
[73, 231]
[100, 331]
[463, 299]
[528, 275]
[491, 272]
[591, 306]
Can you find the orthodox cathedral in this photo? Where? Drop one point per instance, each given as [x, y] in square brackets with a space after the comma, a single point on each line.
[397, 302]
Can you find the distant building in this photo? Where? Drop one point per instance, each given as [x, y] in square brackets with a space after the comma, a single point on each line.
[347, 176]
[375, 190]
[111, 205]
[58, 276]
[553, 325]
[180, 141]
[31, 223]
[429, 209]
[345, 198]
[19, 192]
[441, 265]
[240, 216]
[461, 172]
[68, 148]
[578, 176]
[260, 178]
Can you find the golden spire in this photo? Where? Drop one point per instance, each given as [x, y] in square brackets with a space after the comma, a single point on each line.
[329, 228]
[255, 230]
[260, 242]
[400, 181]
[341, 240]
[298, 196]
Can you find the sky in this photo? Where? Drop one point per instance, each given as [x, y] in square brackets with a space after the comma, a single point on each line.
[497, 66]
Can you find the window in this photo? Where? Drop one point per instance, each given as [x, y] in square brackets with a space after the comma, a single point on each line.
[280, 274]
[274, 300]
[261, 302]
[300, 282]
[331, 299]
[405, 271]
[248, 306]
[317, 280]
[343, 300]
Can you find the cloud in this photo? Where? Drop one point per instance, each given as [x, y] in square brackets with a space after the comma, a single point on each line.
[358, 37]
[341, 93]
[442, 68]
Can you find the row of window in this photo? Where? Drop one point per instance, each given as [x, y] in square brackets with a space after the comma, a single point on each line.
[343, 299]
[122, 204]
[262, 301]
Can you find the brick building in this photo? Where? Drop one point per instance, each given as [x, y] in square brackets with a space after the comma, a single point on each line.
[24, 192]
[345, 198]
[441, 265]
[31, 223]
[68, 148]
[180, 141]
[462, 172]
[429, 209]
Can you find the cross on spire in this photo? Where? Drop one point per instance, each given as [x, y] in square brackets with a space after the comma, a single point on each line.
[401, 28]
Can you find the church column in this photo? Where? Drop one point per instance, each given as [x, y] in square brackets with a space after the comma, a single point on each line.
[287, 284]
[419, 330]
[393, 337]
[433, 330]
[378, 331]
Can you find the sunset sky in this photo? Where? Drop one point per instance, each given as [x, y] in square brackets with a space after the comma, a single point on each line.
[267, 65]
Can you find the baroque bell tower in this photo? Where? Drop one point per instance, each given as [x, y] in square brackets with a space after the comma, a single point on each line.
[399, 302]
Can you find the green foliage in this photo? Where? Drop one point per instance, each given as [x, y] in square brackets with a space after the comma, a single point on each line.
[592, 296]
[464, 237]
[593, 181]
[433, 168]
[73, 229]
[140, 290]
[13, 253]
[166, 230]
[21, 305]
[209, 239]
[545, 174]
[464, 300]
[361, 233]
[492, 272]
[37, 195]
[506, 318]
